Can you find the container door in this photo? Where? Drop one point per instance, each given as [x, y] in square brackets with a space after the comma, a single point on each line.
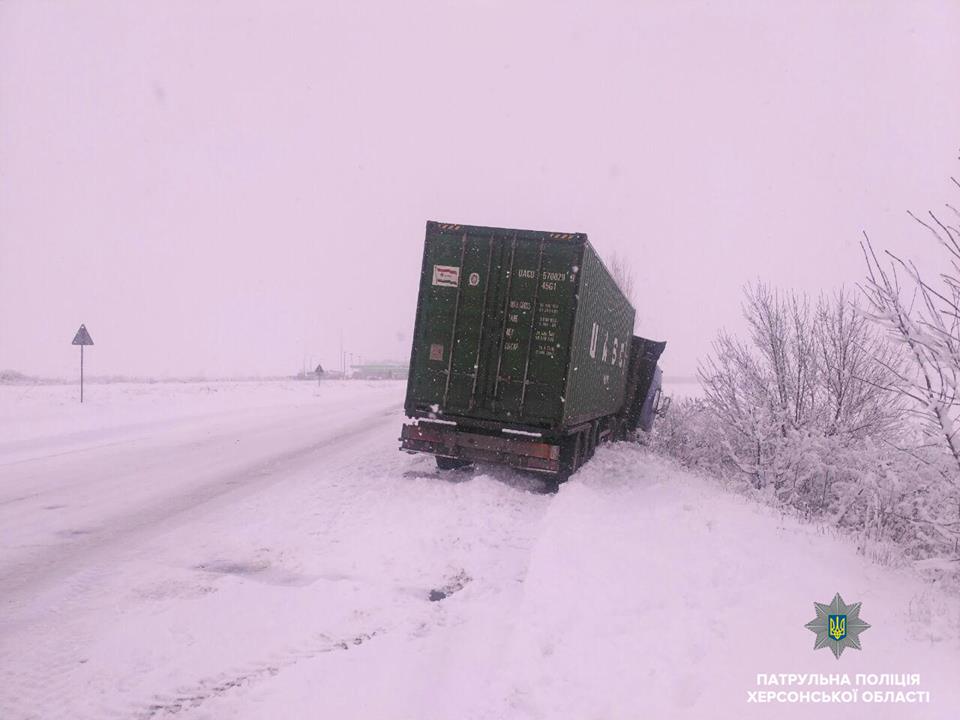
[456, 322]
[471, 329]
[538, 302]
[496, 314]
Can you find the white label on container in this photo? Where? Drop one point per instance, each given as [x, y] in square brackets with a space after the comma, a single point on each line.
[446, 275]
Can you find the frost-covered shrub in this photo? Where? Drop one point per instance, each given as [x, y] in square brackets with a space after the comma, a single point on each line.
[688, 432]
[803, 413]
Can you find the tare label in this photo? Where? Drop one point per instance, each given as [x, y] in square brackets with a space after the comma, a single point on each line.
[446, 275]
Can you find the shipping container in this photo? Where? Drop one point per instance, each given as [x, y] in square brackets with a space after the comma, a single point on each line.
[522, 342]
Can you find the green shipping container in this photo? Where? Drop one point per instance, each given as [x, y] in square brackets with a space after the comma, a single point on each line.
[517, 328]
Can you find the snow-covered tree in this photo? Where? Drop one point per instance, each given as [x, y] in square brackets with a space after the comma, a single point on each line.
[774, 388]
[857, 368]
[922, 317]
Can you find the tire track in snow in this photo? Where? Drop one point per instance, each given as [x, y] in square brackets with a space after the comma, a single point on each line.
[191, 698]
[39, 670]
[21, 582]
[27, 695]
[483, 526]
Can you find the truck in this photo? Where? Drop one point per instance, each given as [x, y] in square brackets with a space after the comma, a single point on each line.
[523, 352]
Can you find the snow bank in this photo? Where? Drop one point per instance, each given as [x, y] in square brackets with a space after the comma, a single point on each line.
[653, 594]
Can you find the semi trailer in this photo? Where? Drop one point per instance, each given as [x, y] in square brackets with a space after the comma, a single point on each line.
[523, 352]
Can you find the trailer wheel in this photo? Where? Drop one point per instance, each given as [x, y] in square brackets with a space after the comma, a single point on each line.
[449, 463]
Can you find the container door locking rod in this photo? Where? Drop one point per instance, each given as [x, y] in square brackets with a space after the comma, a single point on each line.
[533, 330]
[483, 313]
[456, 314]
[506, 313]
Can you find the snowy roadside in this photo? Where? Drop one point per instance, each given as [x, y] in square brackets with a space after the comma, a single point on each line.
[653, 593]
[291, 575]
[36, 419]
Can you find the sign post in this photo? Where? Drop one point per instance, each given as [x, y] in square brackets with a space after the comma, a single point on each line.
[82, 338]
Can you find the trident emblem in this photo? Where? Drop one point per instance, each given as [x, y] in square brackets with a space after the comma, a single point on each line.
[838, 627]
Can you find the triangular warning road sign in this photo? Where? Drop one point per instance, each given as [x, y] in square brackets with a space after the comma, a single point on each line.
[82, 337]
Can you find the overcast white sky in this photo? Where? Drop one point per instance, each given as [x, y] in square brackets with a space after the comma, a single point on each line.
[222, 187]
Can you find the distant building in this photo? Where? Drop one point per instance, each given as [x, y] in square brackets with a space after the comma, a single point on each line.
[379, 371]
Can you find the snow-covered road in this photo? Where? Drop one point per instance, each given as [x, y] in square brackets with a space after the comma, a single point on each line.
[261, 550]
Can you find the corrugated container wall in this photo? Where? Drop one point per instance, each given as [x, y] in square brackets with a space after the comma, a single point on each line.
[603, 330]
[517, 327]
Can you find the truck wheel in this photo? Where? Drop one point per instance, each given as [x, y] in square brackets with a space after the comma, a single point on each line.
[448, 463]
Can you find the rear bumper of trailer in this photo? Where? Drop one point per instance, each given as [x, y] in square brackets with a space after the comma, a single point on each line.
[450, 441]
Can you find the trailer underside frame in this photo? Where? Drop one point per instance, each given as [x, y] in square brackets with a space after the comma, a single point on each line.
[560, 457]
[450, 441]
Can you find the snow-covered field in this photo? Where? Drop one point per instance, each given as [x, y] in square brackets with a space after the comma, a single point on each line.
[261, 550]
